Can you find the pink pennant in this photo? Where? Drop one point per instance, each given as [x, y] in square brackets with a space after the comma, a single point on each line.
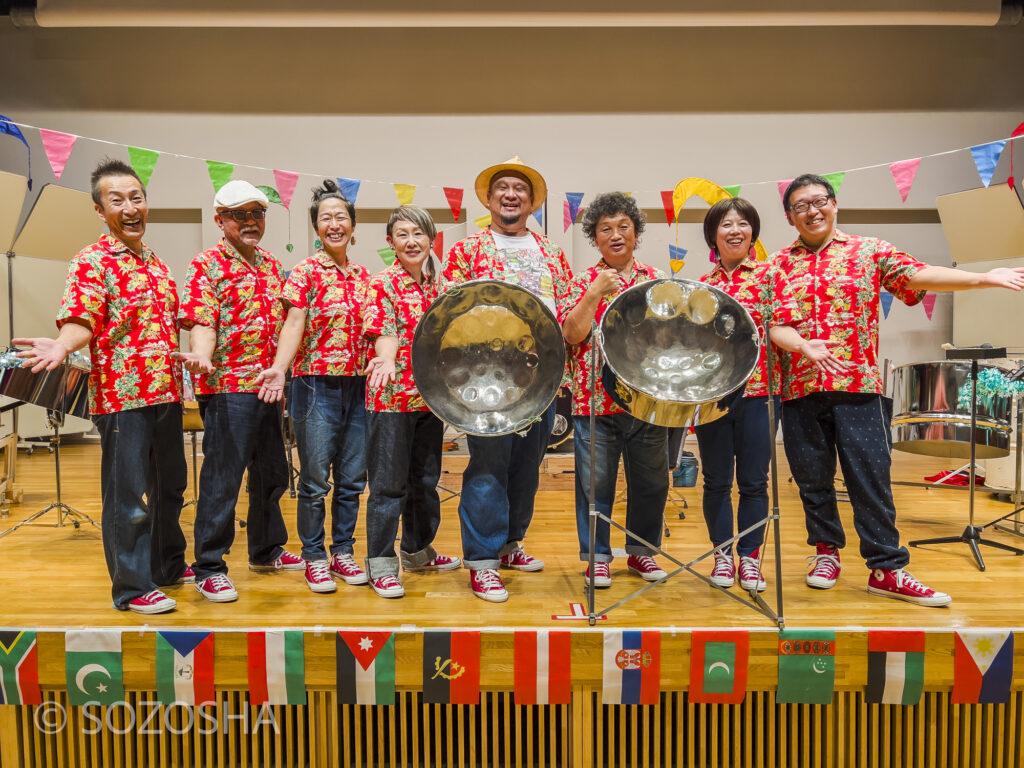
[58, 149]
[566, 216]
[783, 186]
[454, 195]
[670, 206]
[929, 304]
[439, 246]
[903, 173]
[285, 182]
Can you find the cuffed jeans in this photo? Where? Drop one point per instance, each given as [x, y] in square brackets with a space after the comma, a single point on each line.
[742, 440]
[644, 451]
[143, 453]
[240, 431]
[404, 460]
[856, 426]
[329, 417]
[498, 490]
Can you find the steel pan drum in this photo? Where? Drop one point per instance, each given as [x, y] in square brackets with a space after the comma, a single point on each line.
[64, 389]
[928, 419]
[488, 357]
[680, 351]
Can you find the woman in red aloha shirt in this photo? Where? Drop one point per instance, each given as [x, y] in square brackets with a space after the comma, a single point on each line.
[404, 439]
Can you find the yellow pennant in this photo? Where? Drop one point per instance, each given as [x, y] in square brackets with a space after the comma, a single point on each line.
[483, 222]
[676, 265]
[405, 193]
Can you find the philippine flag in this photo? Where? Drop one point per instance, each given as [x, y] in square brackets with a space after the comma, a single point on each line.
[632, 667]
[982, 667]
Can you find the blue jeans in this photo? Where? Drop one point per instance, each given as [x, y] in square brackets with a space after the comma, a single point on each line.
[143, 453]
[329, 416]
[240, 432]
[404, 457]
[498, 491]
[644, 451]
[741, 439]
[855, 426]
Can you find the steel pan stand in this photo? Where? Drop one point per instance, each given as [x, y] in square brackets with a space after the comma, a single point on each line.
[1017, 498]
[971, 535]
[65, 512]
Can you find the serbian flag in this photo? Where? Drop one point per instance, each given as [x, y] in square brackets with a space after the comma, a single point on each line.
[277, 668]
[19, 668]
[982, 667]
[895, 667]
[451, 667]
[632, 667]
[184, 668]
[718, 667]
[543, 667]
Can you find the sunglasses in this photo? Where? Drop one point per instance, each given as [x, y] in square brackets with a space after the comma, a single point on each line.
[241, 216]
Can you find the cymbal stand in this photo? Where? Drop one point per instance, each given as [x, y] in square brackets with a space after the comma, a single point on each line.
[65, 512]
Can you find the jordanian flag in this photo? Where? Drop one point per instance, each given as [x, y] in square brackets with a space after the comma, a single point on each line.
[184, 668]
[92, 661]
[277, 668]
[718, 667]
[895, 667]
[19, 669]
[366, 667]
[451, 667]
[807, 666]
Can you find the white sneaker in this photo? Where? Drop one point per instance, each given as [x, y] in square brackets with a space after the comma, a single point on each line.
[217, 589]
[388, 586]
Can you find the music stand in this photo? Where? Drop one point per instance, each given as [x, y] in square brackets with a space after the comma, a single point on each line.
[971, 535]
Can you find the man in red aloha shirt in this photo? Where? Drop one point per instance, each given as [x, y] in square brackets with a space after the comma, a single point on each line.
[121, 301]
[232, 309]
[832, 391]
[500, 481]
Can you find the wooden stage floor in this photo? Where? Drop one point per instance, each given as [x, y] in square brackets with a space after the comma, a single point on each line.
[56, 578]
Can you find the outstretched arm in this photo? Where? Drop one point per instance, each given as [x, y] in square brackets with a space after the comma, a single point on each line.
[940, 279]
[49, 353]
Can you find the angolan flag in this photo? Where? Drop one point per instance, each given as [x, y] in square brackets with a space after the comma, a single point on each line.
[895, 667]
[277, 668]
[451, 667]
[19, 668]
[184, 668]
[543, 667]
[366, 667]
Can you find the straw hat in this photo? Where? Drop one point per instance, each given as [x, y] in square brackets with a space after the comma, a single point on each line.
[540, 189]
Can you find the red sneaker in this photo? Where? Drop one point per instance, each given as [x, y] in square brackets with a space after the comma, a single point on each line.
[487, 585]
[901, 585]
[188, 577]
[724, 573]
[152, 602]
[750, 573]
[439, 563]
[602, 576]
[286, 562]
[825, 567]
[388, 586]
[217, 589]
[645, 567]
[520, 561]
[318, 577]
[344, 567]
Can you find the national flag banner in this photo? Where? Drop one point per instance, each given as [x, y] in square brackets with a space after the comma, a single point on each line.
[277, 667]
[19, 668]
[366, 667]
[632, 667]
[807, 666]
[543, 667]
[718, 667]
[982, 666]
[451, 667]
[92, 662]
[895, 667]
[184, 668]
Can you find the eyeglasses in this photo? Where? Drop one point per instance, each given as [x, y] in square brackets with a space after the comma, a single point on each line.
[803, 206]
[332, 218]
[257, 214]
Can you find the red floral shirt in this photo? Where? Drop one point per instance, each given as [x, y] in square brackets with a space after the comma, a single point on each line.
[834, 295]
[751, 285]
[242, 305]
[332, 298]
[130, 304]
[395, 302]
[579, 354]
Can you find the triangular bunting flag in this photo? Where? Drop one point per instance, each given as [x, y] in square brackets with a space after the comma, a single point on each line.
[19, 668]
[836, 179]
[184, 668]
[895, 667]
[349, 188]
[733, 191]
[366, 667]
[543, 667]
[439, 246]
[718, 667]
[668, 205]
[539, 216]
[928, 302]
[143, 162]
[387, 255]
[903, 173]
[405, 193]
[286, 181]
[10, 129]
[566, 216]
[807, 666]
[92, 662]
[220, 173]
[783, 186]
[982, 667]
[986, 158]
[574, 199]
[277, 667]
[271, 193]
[454, 197]
[58, 148]
[451, 667]
[676, 257]
[886, 298]
[632, 667]
[483, 222]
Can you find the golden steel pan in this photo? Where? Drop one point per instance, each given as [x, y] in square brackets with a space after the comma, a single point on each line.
[488, 357]
[677, 352]
[64, 389]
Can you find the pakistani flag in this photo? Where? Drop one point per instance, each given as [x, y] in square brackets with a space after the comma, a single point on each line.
[366, 667]
[807, 666]
[92, 660]
[895, 667]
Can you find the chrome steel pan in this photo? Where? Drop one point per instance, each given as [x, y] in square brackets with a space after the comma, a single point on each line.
[929, 420]
[488, 357]
[64, 389]
[678, 352]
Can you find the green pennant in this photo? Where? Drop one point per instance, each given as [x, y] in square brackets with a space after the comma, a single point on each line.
[733, 191]
[271, 194]
[143, 161]
[387, 255]
[220, 173]
[836, 179]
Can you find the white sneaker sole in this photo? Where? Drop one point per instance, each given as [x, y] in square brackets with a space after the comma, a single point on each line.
[323, 588]
[354, 581]
[746, 586]
[931, 602]
[491, 597]
[599, 582]
[655, 576]
[390, 594]
[222, 597]
[721, 581]
[165, 606]
[818, 583]
[537, 565]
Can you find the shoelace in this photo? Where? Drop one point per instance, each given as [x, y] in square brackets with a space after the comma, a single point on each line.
[645, 563]
[217, 583]
[319, 571]
[488, 579]
[905, 579]
[519, 557]
[723, 564]
[388, 582]
[153, 596]
[347, 562]
[819, 564]
[749, 570]
[601, 570]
